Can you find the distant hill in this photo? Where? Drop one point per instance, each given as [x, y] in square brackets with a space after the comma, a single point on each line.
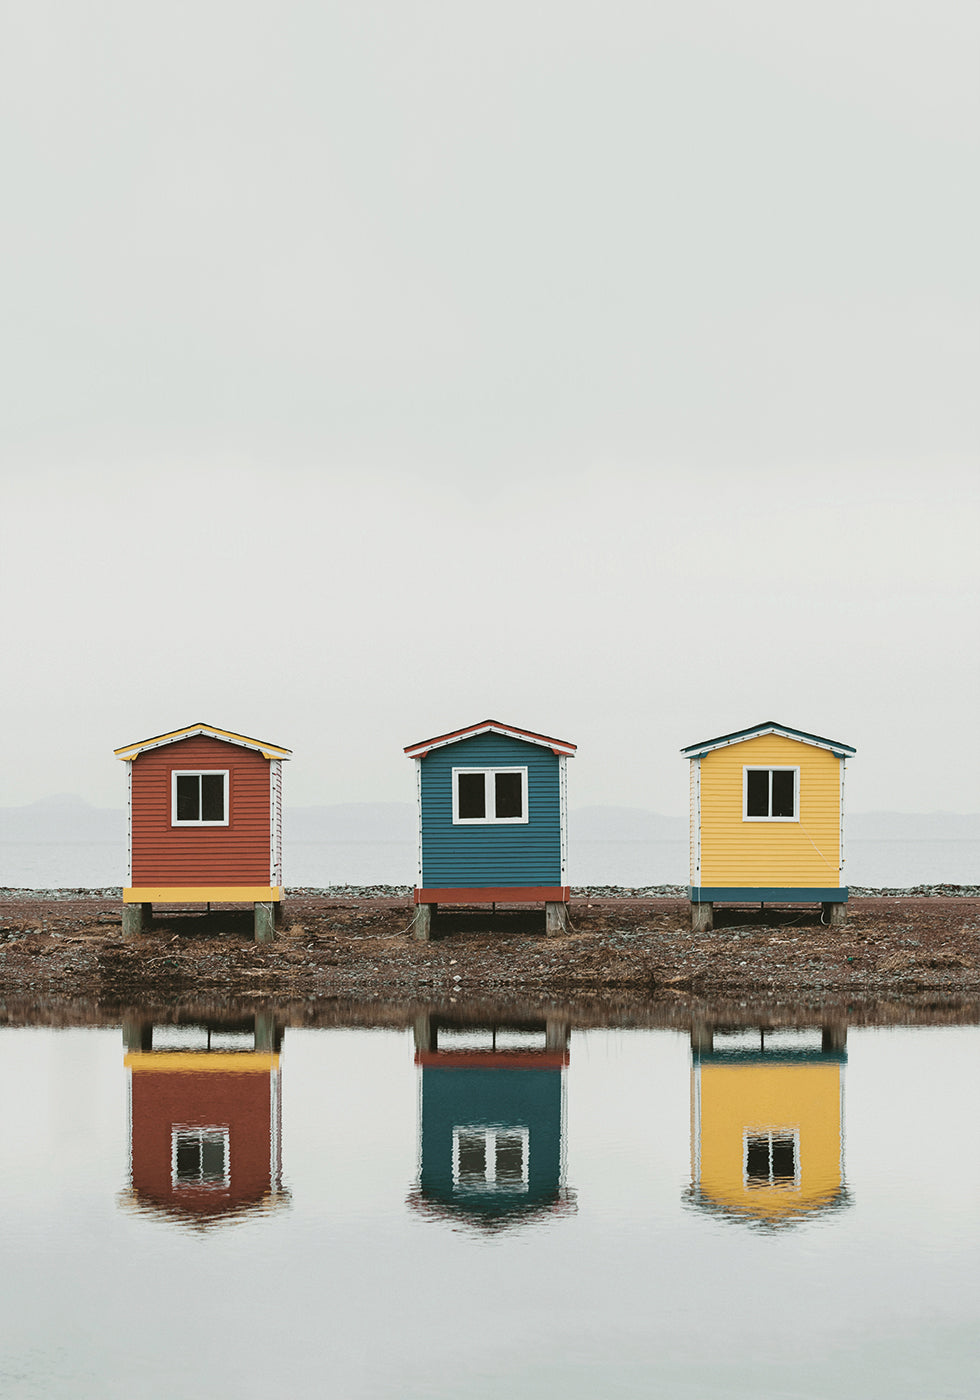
[60, 819]
[66, 817]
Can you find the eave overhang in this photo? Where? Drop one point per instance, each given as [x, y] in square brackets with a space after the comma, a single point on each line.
[130, 751]
[562, 747]
[769, 726]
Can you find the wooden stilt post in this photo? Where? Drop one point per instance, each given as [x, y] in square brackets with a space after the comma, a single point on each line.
[835, 914]
[702, 917]
[425, 917]
[265, 924]
[555, 918]
[132, 920]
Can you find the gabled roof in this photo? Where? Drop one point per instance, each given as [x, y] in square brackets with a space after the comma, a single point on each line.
[131, 751]
[492, 726]
[769, 726]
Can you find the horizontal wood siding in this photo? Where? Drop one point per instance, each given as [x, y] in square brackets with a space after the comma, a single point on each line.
[803, 854]
[236, 854]
[475, 856]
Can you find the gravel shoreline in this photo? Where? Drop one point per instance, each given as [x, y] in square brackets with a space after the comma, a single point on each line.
[631, 949]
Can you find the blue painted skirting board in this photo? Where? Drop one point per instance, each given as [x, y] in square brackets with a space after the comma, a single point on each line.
[708, 894]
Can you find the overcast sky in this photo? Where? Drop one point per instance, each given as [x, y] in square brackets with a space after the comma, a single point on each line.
[373, 368]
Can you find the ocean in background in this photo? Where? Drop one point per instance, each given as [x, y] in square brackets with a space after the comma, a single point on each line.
[95, 864]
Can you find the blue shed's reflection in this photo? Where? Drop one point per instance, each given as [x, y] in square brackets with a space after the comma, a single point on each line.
[491, 1120]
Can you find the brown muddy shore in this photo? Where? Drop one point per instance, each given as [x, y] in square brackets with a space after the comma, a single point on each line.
[624, 961]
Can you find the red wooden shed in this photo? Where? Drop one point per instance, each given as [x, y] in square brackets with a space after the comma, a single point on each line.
[205, 823]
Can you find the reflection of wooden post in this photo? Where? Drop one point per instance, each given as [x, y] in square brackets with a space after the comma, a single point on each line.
[265, 1031]
[702, 1036]
[423, 1031]
[555, 1034]
[137, 1034]
[833, 1036]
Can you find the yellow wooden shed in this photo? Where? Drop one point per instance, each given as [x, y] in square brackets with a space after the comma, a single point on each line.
[767, 820]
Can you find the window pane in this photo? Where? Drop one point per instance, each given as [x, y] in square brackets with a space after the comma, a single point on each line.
[188, 798]
[213, 1159]
[188, 1157]
[783, 1159]
[510, 1159]
[509, 794]
[782, 794]
[472, 1158]
[757, 792]
[757, 1158]
[472, 794]
[212, 797]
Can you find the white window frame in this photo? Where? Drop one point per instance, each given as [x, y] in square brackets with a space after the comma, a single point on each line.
[193, 1130]
[772, 1183]
[770, 768]
[491, 819]
[489, 1135]
[197, 773]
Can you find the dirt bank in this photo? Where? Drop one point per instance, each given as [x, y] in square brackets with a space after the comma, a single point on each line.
[632, 951]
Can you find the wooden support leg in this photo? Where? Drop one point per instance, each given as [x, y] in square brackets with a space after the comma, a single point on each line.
[132, 920]
[702, 917]
[265, 922]
[425, 917]
[835, 914]
[555, 918]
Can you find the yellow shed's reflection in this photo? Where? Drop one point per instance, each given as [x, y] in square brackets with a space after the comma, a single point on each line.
[767, 1122]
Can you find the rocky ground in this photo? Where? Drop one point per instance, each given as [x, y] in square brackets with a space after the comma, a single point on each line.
[631, 951]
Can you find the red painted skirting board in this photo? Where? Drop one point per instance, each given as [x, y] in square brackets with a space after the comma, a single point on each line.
[508, 894]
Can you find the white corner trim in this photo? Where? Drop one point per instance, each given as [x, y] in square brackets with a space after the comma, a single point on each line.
[418, 822]
[563, 817]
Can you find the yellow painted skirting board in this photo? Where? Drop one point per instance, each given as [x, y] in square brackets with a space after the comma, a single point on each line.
[202, 1061]
[202, 894]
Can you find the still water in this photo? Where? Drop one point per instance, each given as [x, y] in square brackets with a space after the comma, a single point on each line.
[489, 1207]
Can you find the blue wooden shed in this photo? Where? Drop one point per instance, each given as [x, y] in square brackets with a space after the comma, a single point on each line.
[492, 820]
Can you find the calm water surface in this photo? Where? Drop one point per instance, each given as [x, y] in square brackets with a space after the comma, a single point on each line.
[505, 1209]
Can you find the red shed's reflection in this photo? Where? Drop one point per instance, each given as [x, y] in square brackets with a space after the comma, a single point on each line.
[205, 1117]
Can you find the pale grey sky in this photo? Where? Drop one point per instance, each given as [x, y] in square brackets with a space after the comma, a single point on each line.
[608, 369]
